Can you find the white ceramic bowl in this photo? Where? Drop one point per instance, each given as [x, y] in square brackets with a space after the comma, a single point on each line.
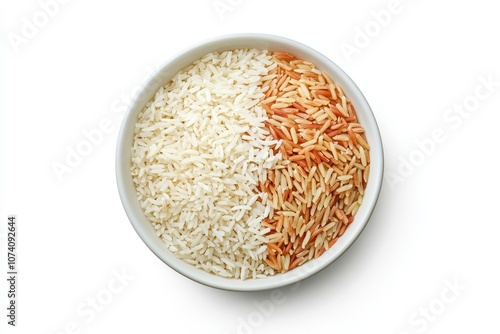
[229, 42]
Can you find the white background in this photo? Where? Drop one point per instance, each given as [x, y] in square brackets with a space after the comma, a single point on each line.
[437, 223]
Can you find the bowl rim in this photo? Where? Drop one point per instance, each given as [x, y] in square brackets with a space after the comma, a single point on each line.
[130, 202]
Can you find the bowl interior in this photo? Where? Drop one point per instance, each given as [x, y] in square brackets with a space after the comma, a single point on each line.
[230, 42]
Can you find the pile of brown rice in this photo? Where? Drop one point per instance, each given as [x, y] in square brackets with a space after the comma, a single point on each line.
[249, 163]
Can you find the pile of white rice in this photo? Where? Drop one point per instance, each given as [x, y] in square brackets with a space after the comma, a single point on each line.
[199, 153]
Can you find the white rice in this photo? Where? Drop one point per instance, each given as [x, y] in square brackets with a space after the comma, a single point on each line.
[199, 153]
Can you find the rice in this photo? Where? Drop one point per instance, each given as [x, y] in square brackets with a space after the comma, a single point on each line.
[200, 150]
[249, 163]
[323, 147]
